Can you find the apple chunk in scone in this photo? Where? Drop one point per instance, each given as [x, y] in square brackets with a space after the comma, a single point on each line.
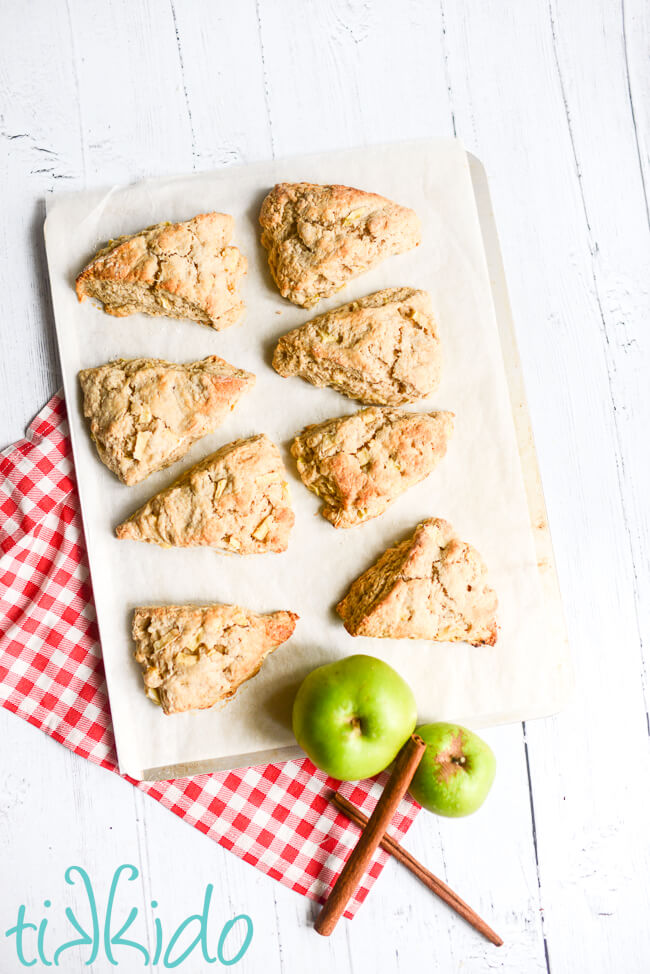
[192, 657]
[236, 500]
[358, 465]
[431, 586]
[180, 270]
[320, 237]
[146, 413]
[383, 349]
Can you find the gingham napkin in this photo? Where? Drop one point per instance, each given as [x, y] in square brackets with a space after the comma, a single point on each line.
[276, 817]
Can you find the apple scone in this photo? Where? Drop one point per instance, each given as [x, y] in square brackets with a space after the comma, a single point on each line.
[236, 500]
[180, 270]
[431, 586]
[383, 349]
[320, 237]
[192, 657]
[358, 465]
[146, 413]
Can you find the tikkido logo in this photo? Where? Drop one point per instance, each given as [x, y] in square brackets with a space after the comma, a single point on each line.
[34, 942]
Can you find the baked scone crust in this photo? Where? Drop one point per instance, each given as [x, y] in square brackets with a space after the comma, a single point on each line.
[146, 413]
[180, 270]
[236, 500]
[431, 586]
[320, 237]
[192, 657]
[359, 464]
[383, 349]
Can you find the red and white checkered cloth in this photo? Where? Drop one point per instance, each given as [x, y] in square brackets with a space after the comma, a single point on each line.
[276, 817]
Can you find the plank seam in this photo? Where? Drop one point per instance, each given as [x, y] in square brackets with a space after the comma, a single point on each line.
[446, 67]
[537, 869]
[75, 74]
[633, 112]
[267, 96]
[185, 91]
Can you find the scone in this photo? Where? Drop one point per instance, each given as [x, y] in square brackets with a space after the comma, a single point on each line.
[181, 270]
[194, 656]
[146, 413]
[383, 349]
[236, 500]
[320, 237]
[432, 586]
[359, 464]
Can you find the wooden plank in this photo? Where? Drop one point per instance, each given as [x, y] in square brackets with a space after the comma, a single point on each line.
[219, 47]
[400, 89]
[196, 90]
[572, 224]
[131, 102]
[39, 148]
[600, 126]
[359, 75]
[171, 126]
[66, 813]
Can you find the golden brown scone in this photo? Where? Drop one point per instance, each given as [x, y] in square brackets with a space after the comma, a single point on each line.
[431, 586]
[146, 413]
[359, 464]
[320, 237]
[194, 656]
[236, 500]
[383, 349]
[181, 270]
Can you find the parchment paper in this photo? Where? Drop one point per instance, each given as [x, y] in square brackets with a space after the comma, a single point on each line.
[478, 486]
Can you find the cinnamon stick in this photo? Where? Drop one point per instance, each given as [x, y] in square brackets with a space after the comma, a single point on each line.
[432, 882]
[405, 766]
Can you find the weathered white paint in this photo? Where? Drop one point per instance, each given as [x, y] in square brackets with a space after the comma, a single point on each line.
[554, 98]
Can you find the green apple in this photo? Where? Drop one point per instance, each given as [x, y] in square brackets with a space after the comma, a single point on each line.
[352, 716]
[456, 772]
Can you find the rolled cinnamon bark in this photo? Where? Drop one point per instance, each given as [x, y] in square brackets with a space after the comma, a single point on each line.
[425, 876]
[405, 766]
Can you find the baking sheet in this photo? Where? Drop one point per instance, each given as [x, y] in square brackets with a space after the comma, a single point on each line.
[479, 486]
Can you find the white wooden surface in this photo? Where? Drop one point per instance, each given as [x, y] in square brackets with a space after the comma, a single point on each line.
[554, 98]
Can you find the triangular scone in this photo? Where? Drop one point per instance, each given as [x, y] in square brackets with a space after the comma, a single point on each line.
[194, 656]
[320, 237]
[383, 349]
[181, 270]
[146, 413]
[432, 586]
[359, 464]
[237, 500]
